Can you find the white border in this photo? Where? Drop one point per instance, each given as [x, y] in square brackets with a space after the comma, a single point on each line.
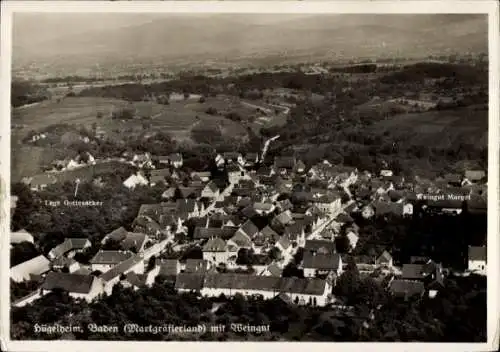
[290, 7]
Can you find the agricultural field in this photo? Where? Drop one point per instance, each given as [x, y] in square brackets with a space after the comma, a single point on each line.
[439, 129]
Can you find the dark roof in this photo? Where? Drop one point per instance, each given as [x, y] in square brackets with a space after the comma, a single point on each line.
[196, 266]
[413, 272]
[274, 270]
[406, 288]
[168, 267]
[121, 268]
[320, 246]
[249, 228]
[212, 186]
[68, 282]
[269, 233]
[209, 232]
[321, 261]
[187, 281]
[215, 245]
[133, 240]
[185, 206]
[477, 253]
[382, 208]
[249, 211]
[111, 257]
[161, 173]
[384, 257]
[343, 218]
[266, 283]
[285, 162]
[241, 240]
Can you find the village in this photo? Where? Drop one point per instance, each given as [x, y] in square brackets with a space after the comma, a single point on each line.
[251, 226]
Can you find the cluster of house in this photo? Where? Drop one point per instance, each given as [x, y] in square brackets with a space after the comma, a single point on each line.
[278, 209]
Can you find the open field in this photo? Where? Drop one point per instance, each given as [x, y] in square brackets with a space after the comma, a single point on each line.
[28, 160]
[439, 128]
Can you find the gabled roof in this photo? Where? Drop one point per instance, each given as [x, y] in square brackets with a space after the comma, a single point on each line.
[249, 211]
[284, 217]
[69, 244]
[285, 162]
[384, 257]
[269, 233]
[215, 245]
[413, 272]
[73, 283]
[249, 229]
[175, 157]
[20, 236]
[284, 242]
[34, 266]
[477, 253]
[111, 257]
[121, 268]
[274, 270]
[196, 266]
[212, 186]
[294, 230]
[241, 239]
[321, 261]
[191, 282]
[185, 206]
[133, 240]
[188, 191]
[320, 246]
[168, 267]
[161, 173]
[475, 175]
[210, 232]
[344, 218]
[151, 210]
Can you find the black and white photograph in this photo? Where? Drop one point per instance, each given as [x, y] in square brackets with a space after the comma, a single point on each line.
[278, 173]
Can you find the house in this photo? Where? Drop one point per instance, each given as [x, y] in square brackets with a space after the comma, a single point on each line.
[235, 173]
[296, 233]
[34, 267]
[251, 159]
[135, 180]
[450, 206]
[40, 182]
[415, 272]
[477, 259]
[384, 260]
[168, 268]
[111, 277]
[69, 247]
[219, 161]
[196, 266]
[320, 247]
[85, 287]
[134, 242]
[321, 264]
[105, 260]
[285, 164]
[211, 190]
[240, 240]
[282, 219]
[159, 176]
[188, 208]
[117, 235]
[175, 160]
[169, 193]
[386, 173]
[272, 270]
[248, 229]
[63, 263]
[224, 233]
[203, 176]
[142, 160]
[329, 203]
[189, 282]
[353, 239]
[263, 208]
[284, 245]
[144, 224]
[269, 234]
[233, 158]
[406, 288]
[21, 236]
[215, 251]
[475, 176]
[453, 179]
[300, 290]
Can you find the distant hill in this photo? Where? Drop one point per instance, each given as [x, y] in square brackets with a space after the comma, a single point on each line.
[237, 37]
